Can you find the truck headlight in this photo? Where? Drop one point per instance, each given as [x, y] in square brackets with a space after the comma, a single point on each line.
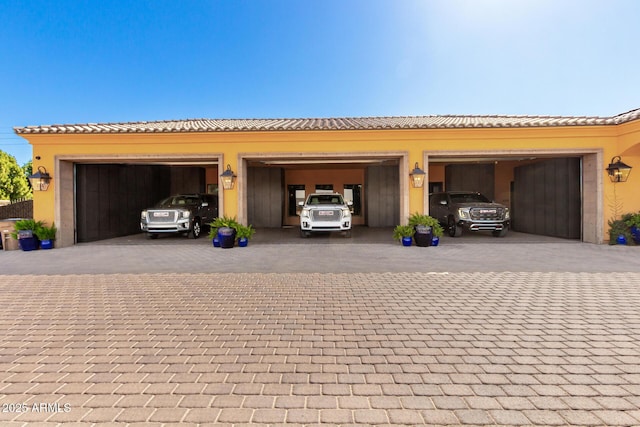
[143, 216]
[185, 214]
[463, 213]
[304, 213]
[346, 212]
[507, 214]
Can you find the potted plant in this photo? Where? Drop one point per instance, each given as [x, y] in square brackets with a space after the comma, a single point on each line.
[46, 235]
[619, 232]
[223, 229]
[428, 229]
[404, 233]
[244, 233]
[633, 222]
[24, 231]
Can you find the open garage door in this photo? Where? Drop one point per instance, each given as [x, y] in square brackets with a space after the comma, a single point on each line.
[275, 185]
[109, 197]
[544, 191]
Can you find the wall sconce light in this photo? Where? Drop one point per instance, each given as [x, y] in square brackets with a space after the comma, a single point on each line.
[228, 178]
[40, 180]
[417, 176]
[618, 171]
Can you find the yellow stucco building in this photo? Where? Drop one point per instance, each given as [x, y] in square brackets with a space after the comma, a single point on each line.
[551, 171]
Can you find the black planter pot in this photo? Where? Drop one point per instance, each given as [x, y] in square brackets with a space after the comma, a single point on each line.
[423, 235]
[29, 243]
[227, 237]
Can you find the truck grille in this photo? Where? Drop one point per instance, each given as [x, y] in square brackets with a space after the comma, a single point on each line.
[328, 215]
[487, 214]
[162, 216]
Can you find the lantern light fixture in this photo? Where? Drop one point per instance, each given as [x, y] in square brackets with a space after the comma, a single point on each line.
[40, 180]
[617, 170]
[417, 176]
[228, 178]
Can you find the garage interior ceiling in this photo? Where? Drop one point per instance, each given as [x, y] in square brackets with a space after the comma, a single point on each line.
[313, 163]
[323, 161]
[161, 162]
[491, 159]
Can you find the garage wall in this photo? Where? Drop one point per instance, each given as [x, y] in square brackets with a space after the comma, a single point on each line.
[547, 198]
[265, 197]
[471, 177]
[187, 180]
[382, 201]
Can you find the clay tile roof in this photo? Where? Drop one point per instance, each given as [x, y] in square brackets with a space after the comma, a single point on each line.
[334, 123]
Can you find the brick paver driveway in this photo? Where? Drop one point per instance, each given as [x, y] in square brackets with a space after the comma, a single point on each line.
[420, 348]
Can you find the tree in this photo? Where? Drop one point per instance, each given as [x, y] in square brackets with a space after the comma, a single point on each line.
[13, 182]
[27, 168]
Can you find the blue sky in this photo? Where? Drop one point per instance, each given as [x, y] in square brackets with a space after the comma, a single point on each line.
[110, 61]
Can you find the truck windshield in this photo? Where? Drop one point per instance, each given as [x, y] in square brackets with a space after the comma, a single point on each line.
[325, 199]
[469, 198]
[179, 200]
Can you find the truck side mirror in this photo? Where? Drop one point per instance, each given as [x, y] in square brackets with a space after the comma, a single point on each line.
[350, 203]
[443, 202]
[205, 204]
[300, 204]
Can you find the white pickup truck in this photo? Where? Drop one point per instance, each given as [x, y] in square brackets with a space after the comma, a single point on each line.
[325, 212]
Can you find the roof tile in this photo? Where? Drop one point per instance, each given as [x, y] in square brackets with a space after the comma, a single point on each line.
[333, 123]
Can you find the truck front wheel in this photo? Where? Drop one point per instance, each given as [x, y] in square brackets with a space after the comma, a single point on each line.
[454, 229]
[196, 228]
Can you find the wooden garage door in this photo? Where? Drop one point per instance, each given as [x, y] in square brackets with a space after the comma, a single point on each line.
[265, 197]
[382, 189]
[109, 198]
[547, 198]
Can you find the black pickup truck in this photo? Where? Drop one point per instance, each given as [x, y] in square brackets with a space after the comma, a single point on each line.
[466, 210]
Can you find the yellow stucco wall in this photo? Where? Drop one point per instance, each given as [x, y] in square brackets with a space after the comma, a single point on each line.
[232, 147]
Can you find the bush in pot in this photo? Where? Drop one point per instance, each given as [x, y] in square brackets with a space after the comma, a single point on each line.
[619, 232]
[404, 233]
[633, 222]
[421, 220]
[25, 233]
[46, 235]
[244, 233]
[223, 223]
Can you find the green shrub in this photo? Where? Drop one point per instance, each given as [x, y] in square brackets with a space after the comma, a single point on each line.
[632, 220]
[26, 224]
[403, 231]
[618, 227]
[46, 233]
[246, 231]
[426, 220]
[223, 221]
